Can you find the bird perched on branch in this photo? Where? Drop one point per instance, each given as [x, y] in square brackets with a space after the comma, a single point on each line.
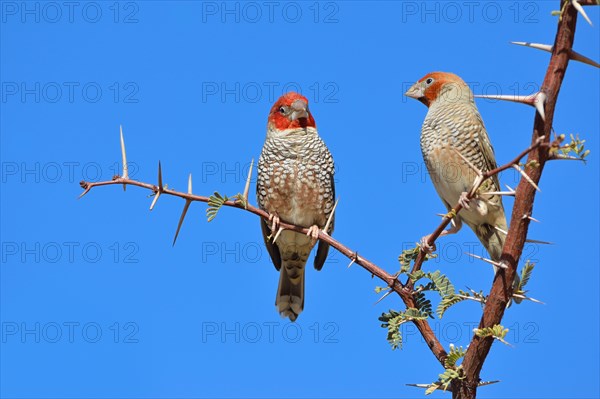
[456, 149]
[295, 185]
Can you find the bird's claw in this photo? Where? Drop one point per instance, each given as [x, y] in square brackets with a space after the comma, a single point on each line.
[428, 249]
[464, 200]
[313, 233]
[274, 219]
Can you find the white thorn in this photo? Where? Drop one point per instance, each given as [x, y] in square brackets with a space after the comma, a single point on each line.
[354, 258]
[181, 218]
[582, 58]
[87, 190]
[329, 220]
[501, 230]
[498, 264]
[424, 386]
[512, 190]
[480, 300]
[517, 99]
[124, 158]
[574, 55]
[507, 193]
[539, 102]
[154, 200]
[160, 187]
[190, 184]
[520, 296]
[522, 172]
[277, 235]
[383, 297]
[579, 8]
[534, 300]
[536, 100]
[526, 216]
[160, 182]
[544, 47]
[484, 383]
[561, 157]
[532, 241]
[247, 186]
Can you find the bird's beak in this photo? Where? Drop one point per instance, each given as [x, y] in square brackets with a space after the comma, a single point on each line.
[417, 91]
[299, 110]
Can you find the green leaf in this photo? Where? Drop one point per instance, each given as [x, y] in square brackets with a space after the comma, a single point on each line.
[442, 283]
[575, 149]
[497, 332]
[416, 276]
[445, 379]
[447, 302]
[239, 198]
[450, 374]
[407, 257]
[423, 304]
[525, 275]
[454, 355]
[414, 314]
[392, 322]
[394, 319]
[215, 202]
[451, 300]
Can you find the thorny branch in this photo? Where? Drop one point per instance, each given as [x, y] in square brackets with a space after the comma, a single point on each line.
[524, 198]
[404, 291]
[500, 293]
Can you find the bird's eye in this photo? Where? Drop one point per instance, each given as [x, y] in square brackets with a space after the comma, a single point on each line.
[282, 110]
[429, 81]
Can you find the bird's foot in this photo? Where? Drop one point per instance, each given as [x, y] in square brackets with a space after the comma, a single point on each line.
[424, 244]
[274, 219]
[464, 200]
[313, 233]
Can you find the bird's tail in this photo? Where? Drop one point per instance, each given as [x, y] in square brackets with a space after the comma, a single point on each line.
[493, 241]
[290, 293]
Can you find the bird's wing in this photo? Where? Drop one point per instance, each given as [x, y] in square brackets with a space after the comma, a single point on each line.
[486, 149]
[271, 246]
[323, 248]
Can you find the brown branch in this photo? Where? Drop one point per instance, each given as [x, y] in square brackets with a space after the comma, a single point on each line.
[501, 290]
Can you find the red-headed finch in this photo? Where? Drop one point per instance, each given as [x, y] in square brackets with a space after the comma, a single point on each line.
[295, 184]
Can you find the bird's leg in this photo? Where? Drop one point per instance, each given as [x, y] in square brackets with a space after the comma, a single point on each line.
[274, 219]
[425, 245]
[456, 225]
[464, 200]
[313, 233]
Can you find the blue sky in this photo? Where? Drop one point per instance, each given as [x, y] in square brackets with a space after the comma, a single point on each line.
[95, 302]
